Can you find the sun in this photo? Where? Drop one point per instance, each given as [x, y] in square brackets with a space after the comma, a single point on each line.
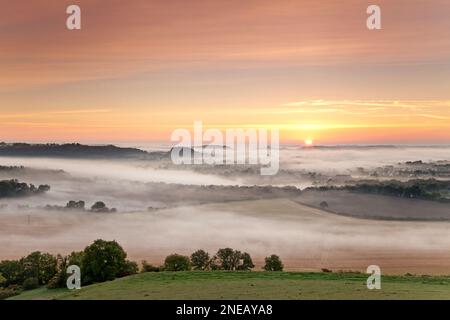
[309, 142]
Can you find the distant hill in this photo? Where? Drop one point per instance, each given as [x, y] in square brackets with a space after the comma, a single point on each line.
[77, 150]
[72, 150]
[369, 147]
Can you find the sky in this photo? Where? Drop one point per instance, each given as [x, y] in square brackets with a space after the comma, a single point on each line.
[139, 69]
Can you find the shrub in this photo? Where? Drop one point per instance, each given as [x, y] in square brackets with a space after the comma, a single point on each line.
[200, 260]
[128, 269]
[60, 278]
[102, 261]
[273, 263]
[6, 293]
[146, 267]
[2, 280]
[176, 262]
[324, 205]
[30, 284]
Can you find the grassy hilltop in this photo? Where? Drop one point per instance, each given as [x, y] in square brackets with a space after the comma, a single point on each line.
[252, 285]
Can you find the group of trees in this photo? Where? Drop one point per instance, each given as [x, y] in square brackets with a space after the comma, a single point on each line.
[11, 168]
[226, 259]
[101, 261]
[98, 206]
[14, 188]
[38, 266]
[428, 189]
[106, 260]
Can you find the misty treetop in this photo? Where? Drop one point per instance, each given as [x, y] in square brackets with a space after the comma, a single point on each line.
[427, 189]
[14, 188]
[80, 205]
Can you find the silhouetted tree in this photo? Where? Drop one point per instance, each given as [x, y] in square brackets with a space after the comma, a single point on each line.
[200, 260]
[273, 263]
[102, 261]
[176, 262]
[229, 259]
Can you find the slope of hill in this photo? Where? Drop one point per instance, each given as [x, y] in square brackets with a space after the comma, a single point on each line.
[251, 285]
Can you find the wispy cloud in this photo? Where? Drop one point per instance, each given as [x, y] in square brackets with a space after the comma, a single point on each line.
[54, 113]
[433, 116]
[360, 107]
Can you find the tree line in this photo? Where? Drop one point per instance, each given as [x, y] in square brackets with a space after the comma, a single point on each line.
[14, 188]
[429, 189]
[106, 260]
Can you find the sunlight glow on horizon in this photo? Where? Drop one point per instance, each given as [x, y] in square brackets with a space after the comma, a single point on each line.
[331, 121]
[308, 68]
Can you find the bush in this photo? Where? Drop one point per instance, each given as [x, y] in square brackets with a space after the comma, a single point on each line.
[102, 261]
[129, 268]
[273, 263]
[176, 262]
[58, 280]
[200, 260]
[324, 205]
[30, 284]
[6, 293]
[2, 280]
[146, 267]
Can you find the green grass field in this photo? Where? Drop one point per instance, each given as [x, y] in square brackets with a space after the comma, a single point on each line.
[252, 285]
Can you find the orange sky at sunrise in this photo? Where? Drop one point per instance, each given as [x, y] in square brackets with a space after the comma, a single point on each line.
[139, 69]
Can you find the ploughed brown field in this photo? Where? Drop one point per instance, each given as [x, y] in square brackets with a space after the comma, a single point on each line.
[306, 238]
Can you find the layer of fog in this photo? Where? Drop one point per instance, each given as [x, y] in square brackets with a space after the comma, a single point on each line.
[343, 160]
[121, 184]
[117, 170]
[153, 235]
